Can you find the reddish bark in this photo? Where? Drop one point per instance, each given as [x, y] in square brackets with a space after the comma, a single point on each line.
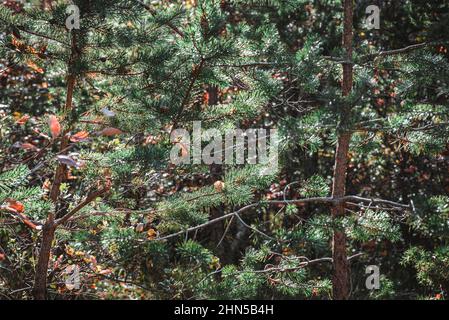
[40, 279]
[341, 275]
[48, 231]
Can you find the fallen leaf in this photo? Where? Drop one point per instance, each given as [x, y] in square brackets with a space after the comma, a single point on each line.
[151, 234]
[80, 136]
[152, 140]
[46, 185]
[69, 175]
[206, 98]
[18, 44]
[107, 132]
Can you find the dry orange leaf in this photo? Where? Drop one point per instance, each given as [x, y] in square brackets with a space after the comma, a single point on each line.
[2, 256]
[206, 98]
[151, 234]
[80, 136]
[55, 126]
[70, 251]
[107, 132]
[16, 206]
[92, 75]
[152, 140]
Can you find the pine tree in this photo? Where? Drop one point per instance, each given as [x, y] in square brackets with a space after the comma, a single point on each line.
[113, 204]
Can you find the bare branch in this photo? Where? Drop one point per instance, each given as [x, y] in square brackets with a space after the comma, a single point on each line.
[91, 197]
[399, 51]
[329, 200]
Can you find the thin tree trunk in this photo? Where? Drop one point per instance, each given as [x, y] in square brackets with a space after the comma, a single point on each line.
[341, 275]
[48, 231]
[40, 279]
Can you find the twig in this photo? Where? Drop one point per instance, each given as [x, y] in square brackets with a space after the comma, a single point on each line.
[92, 196]
[256, 230]
[153, 13]
[225, 232]
[399, 51]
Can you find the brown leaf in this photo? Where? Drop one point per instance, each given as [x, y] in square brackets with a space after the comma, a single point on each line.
[80, 136]
[151, 234]
[107, 132]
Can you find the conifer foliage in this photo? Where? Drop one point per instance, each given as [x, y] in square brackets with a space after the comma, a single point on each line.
[92, 205]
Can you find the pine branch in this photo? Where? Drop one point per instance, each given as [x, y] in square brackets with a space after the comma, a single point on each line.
[303, 264]
[278, 269]
[40, 35]
[329, 200]
[153, 13]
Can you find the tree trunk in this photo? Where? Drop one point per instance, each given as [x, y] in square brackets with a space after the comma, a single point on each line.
[48, 230]
[40, 279]
[341, 276]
